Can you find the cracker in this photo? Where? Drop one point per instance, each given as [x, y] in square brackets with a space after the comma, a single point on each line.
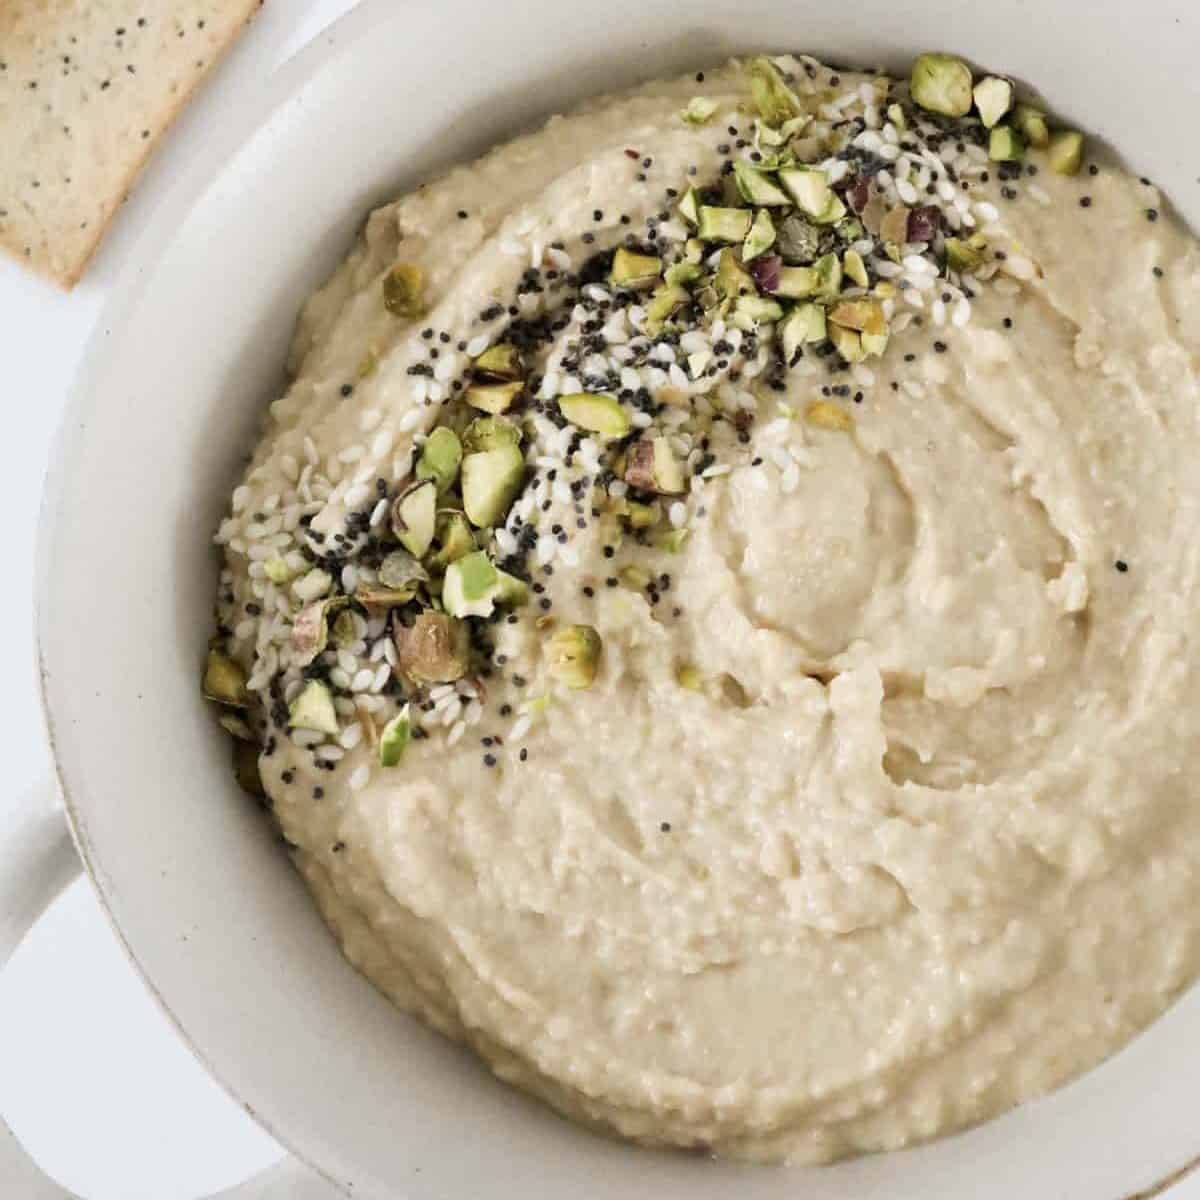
[87, 87]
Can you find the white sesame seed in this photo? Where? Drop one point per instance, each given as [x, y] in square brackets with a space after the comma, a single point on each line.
[1006, 287]
[938, 311]
[546, 549]
[382, 444]
[347, 661]
[520, 728]
[352, 734]
[339, 678]
[889, 153]
[244, 630]
[456, 733]
[359, 777]
[452, 711]
[310, 452]
[306, 738]
[379, 512]
[409, 420]
[356, 495]
[473, 713]
[643, 420]
[677, 513]
[329, 753]
[962, 313]
[986, 211]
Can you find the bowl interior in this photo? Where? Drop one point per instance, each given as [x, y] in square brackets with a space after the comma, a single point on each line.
[167, 407]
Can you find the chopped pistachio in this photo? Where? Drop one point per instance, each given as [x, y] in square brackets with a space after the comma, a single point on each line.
[896, 116]
[965, 255]
[278, 571]
[698, 361]
[632, 270]
[798, 240]
[636, 514]
[732, 279]
[653, 467]
[941, 83]
[803, 325]
[313, 709]
[689, 206]
[700, 110]
[893, 229]
[829, 276]
[436, 648]
[761, 236]
[440, 458]
[486, 433]
[493, 398]
[513, 591]
[1065, 152]
[400, 570]
[1030, 123]
[730, 691]
[471, 586]
[634, 577]
[501, 361]
[596, 412]
[848, 344]
[454, 539]
[402, 288]
[224, 680]
[775, 101]
[873, 344]
[855, 268]
[810, 189]
[758, 309]
[824, 414]
[666, 301]
[245, 768]
[682, 272]
[797, 283]
[342, 629]
[993, 99]
[236, 727]
[1005, 144]
[724, 224]
[689, 677]
[573, 655]
[310, 629]
[395, 738]
[491, 480]
[865, 316]
[765, 135]
[369, 364]
[413, 515]
[377, 599]
[756, 185]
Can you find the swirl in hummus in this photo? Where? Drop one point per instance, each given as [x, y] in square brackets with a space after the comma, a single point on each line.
[713, 609]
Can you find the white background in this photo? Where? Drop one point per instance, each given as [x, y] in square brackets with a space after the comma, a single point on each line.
[92, 1078]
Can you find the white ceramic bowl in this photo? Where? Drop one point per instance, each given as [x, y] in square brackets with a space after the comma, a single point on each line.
[167, 405]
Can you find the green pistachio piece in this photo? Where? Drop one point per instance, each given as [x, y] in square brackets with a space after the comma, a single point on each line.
[681, 273]
[757, 187]
[413, 516]
[700, 110]
[313, 584]
[452, 539]
[775, 101]
[666, 301]
[893, 229]
[236, 727]
[245, 768]
[805, 324]
[863, 316]
[896, 116]
[689, 677]
[342, 629]
[941, 83]
[855, 268]
[632, 270]
[797, 283]
[829, 276]
[732, 279]
[377, 599]
[313, 709]
[596, 412]
[761, 236]
[672, 541]
[993, 99]
[573, 655]
[401, 570]
[440, 458]
[436, 648]
[651, 466]
[798, 240]
[1005, 144]
[689, 206]
[224, 680]
[394, 739]
[637, 579]
[809, 188]
[402, 290]
[487, 433]
[494, 397]
[513, 591]
[724, 224]
[873, 344]
[1065, 152]
[1030, 123]
[310, 629]
[758, 309]
[491, 480]
[501, 361]
[471, 586]
[847, 343]
[966, 255]
[278, 571]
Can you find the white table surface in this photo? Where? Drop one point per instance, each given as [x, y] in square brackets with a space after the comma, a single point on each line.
[92, 1078]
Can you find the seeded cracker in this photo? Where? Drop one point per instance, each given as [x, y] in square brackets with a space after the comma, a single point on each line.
[86, 89]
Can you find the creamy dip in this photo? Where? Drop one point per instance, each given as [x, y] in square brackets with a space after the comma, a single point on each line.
[807, 770]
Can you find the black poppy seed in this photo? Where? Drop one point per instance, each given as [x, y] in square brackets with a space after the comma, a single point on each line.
[1008, 322]
[895, 386]
[611, 581]
[1095, 170]
[318, 793]
[1158, 272]
[1152, 214]
[487, 741]
[940, 347]
[910, 358]
[347, 389]
[1121, 565]
[288, 775]
[524, 754]
[1085, 202]
[665, 827]
[609, 551]
[462, 214]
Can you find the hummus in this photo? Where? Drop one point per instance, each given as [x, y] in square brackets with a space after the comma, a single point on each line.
[783, 745]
